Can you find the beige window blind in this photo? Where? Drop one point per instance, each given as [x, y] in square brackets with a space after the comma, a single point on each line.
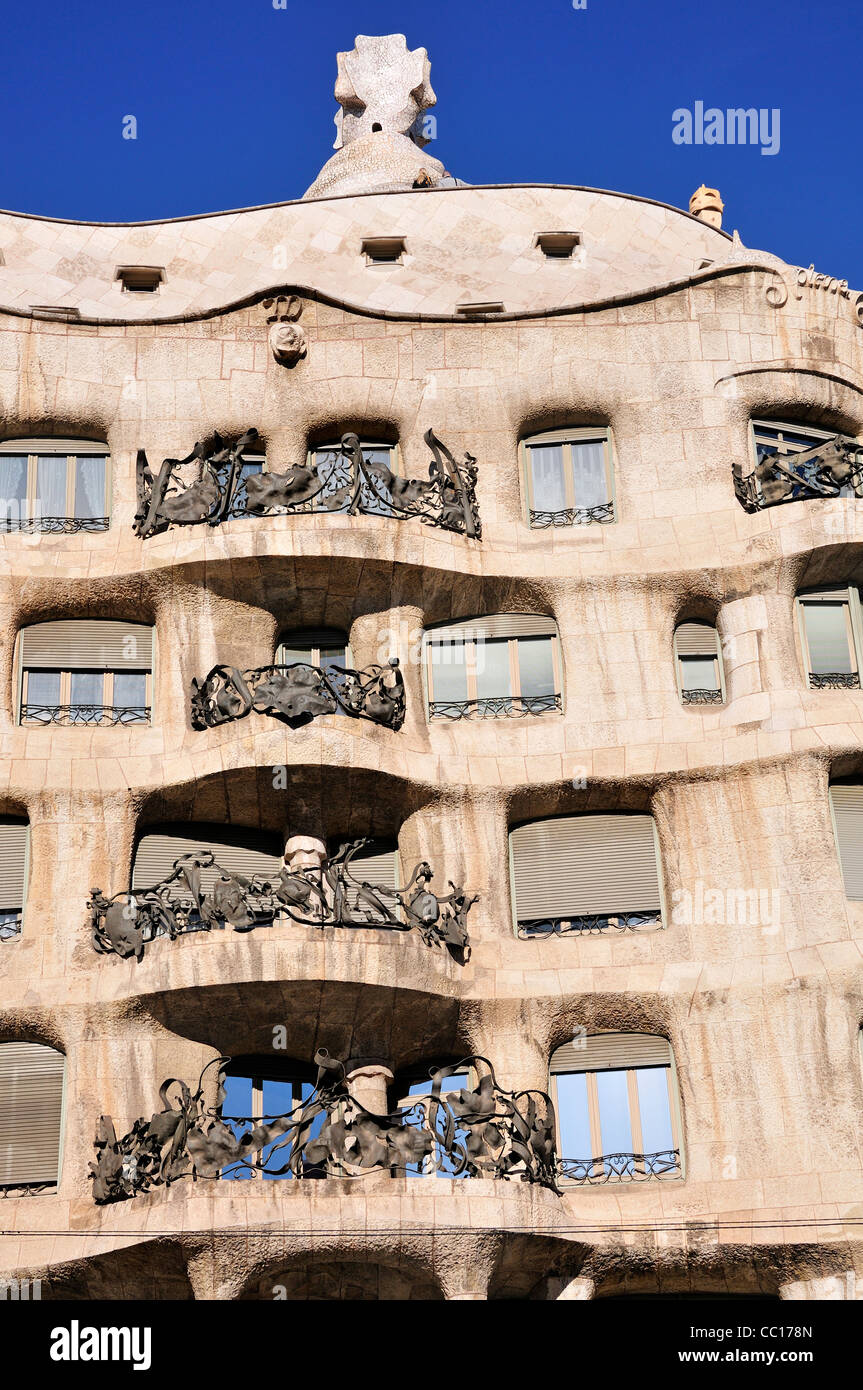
[87, 645]
[13, 864]
[307, 644]
[494, 625]
[585, 865]
[31, 1113]
[847, 806]
[611, 1052]
[236, 849]
[696, 639]
[377, 864]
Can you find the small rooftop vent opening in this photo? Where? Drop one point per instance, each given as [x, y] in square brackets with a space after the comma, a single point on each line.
[376, 126]
[65, 313]
[558, 245]
[140, 279]
[480, 307]
[383, 250]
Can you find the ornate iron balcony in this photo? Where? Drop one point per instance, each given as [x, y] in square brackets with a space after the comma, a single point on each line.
[494, 706]
[482, 1133]
[298, 693]
[27, 1189]
[10, 925]
[325, 896]
[209, 486]
[54, 525]
[834, 680]
[85, 714]
[587, 924]
[822, 471]
[701, 697]
[572, 516]
[622, 1167]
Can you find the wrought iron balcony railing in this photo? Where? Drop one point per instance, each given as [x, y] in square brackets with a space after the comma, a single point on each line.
[827, 469]
[85, 714]
[572, 516]
[54, 525]
[621, 1167]
[834, 680]
[328, 896]
[701, 697]
[298, 693]
[10, 924]
[494, 707]
[587, 924]
[211, 486]
[486, 1132]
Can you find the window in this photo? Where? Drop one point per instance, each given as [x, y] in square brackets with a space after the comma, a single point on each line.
[585, 874]
[699, 664]
[411, 1088]
[335, 472]
[558, 245]
[615, 1100]
[14, 846]
[846, 808]
[31, 1114]
[86, 672]
[830, 627]
[323, 647]
[503, 665]
[568, 477]
[54, 485]
[140, 279]
[771, 437]
[383, 250]
[258, 1088]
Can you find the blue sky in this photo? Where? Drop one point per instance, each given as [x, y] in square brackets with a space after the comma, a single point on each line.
[234, 106]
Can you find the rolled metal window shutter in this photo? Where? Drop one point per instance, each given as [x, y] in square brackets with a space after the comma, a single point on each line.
[31, 1112]
[571, 865]
[320, 637]
[13, 859]
[612, 1051]
[238, 850]
[495, 625]
[81, 447]
[696, 639]
[847, 805]
[87, 645]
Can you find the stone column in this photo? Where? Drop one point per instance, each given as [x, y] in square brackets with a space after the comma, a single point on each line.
[368, 1082]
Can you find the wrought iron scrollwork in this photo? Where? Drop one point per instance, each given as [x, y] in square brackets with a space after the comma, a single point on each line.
[486, 1132]
[85, 714]
[212, 485]
[494, 707]
[825, 470]
[834, 680]
[603, 512]
[587, 924]
[298, 693]
[54, 525]
[325, 896]
[10, 925]
[622, 1167]
[701, 697]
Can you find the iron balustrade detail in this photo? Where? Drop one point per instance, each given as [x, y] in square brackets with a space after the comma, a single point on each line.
[834, 680]
[329, 895]
[213, 484]
[825, 470]
[27, 1189]
[621, 1167]
[297, 693]
[85, 714]
[603, 512]
[484, 1132]
[10, 925]
[54, 525]
[494, 706]
[587, 924]
[701, 697]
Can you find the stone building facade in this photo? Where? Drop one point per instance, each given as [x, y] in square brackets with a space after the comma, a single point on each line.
[390, 301]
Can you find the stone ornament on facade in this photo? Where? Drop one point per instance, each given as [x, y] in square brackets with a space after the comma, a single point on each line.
[286, 338]
[485, 1132]
[821, 471]
[316, 892]
[210, 486]
[298, 693]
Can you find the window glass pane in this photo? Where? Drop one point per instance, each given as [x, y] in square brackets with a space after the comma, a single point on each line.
[614, 1118]
[288, 655]
[237, 1103]
[573, 1116]
[13, 487]
[535, 666]
[43, 688]
[90, 487]
[827, 635]
[589, 477]
[492, 668]
[546, 464]
[449, 674]
[87, 691]
[278, 1100]
[654, 1109]
[333, 656]
[51, 485]
[698, 673]
[130, 690]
